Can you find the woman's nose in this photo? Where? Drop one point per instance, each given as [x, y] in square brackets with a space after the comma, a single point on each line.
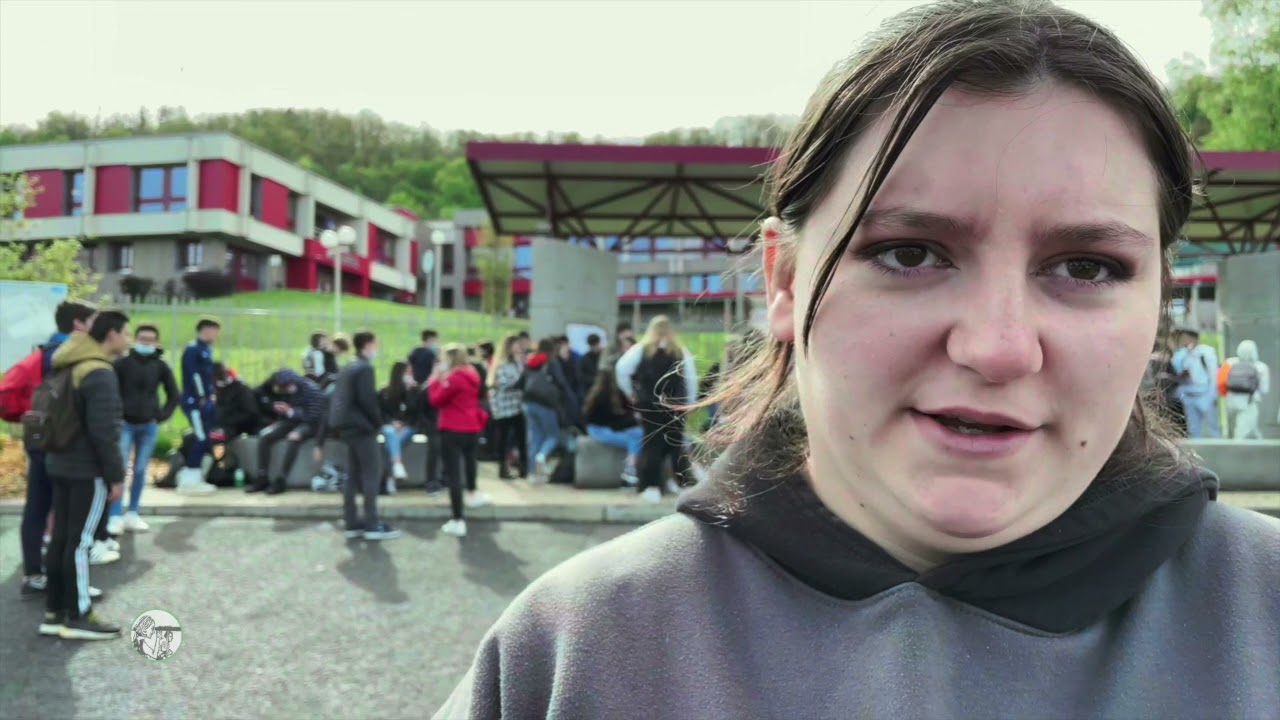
[997, 334]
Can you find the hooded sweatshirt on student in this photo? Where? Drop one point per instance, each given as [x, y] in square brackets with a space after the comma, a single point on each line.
[95, 451]
[757, 602]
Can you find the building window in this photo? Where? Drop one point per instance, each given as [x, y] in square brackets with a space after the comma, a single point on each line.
[713, 283]
[74, 201]
[190, 254]
[644, 285]
[524, 261]
[446, 296]
[446, 260]
[250, 265]
[255, 197]
[622, 285]
[161, 189]
[697, 283]
[384, 248]
[295, 204]
[661, 285]
[750, 282]
[121, 258]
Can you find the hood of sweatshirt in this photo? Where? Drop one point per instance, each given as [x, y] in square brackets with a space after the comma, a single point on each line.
[1084, 564]
[78, 348]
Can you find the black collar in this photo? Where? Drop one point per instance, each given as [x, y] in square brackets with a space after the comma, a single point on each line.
[1086, 563]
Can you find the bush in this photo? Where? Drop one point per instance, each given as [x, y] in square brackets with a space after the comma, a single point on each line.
[209, 284]
[136, 288]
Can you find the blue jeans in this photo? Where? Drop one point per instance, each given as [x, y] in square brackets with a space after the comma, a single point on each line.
[396, 439]
[143, 438]
[544, 432]
[1202, 415]
[630, 439]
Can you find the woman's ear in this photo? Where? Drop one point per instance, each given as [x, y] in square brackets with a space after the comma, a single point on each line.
[779, 274]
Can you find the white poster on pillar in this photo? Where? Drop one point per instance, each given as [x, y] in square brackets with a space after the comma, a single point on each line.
[578, 333]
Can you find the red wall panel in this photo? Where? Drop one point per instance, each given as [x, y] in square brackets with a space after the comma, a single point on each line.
[300, 273]
[114, 191]
[275, 204]
[219, 185]
[50, 195]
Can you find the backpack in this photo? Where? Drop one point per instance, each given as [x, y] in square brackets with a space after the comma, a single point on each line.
[540, 388]
[1243, 378]
[53, 422]
[19, 384]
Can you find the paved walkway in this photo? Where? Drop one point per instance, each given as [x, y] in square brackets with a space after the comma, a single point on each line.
[512, 500]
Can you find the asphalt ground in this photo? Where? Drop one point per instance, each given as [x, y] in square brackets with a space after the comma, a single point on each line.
[279, 618]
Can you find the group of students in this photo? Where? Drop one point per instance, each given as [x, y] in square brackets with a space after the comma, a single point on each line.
[1189, 379]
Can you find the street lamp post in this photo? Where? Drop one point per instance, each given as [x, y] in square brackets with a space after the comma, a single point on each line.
[336, 242]
[428, 265]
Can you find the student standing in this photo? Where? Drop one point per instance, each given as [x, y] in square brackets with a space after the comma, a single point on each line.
[354, 415]
[455, 389]
[142, 375]
[423, 361]
[87, 474]
[199, 400]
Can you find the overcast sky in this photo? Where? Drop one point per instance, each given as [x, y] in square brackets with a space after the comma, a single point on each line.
[609, 67]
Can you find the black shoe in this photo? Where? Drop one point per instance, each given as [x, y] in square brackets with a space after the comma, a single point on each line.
[276, 487]
[434, 488]
[53, 623]
[89, 627]
[33, 586]
[381, 531]
[258, 485]
[353, 532]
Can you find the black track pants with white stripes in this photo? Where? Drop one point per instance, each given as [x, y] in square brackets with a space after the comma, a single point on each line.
[78, 506]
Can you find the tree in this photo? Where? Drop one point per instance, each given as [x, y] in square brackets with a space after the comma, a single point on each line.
[1231, 104]
[495, 257]
[56, 261]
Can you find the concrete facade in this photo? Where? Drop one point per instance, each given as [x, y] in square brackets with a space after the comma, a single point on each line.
[1249, 306]
[239, 204]
[571, 285]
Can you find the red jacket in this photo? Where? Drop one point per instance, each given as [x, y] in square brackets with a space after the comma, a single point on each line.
[457, 397]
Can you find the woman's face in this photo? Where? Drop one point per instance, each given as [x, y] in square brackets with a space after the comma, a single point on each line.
[1007, 275]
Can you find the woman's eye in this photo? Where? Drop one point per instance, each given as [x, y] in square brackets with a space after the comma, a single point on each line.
[906, 258]
[1084, 270]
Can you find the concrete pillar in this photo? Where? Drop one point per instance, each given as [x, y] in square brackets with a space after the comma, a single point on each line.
[307, 215]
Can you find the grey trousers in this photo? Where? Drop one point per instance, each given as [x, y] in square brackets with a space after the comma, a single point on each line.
[364, 469]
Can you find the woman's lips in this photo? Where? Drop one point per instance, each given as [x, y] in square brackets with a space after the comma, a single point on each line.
[986, 445]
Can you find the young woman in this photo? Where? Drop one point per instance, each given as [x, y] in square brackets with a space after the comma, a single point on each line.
[943, 496]
[612, 421]
[658, 375]
[507, 405]
[402, 411]
[454, 389]
[546, 395]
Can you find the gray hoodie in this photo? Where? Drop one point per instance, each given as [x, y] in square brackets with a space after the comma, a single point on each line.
[1129, 605]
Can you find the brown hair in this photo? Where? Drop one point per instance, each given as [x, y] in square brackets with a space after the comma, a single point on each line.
[987, 47]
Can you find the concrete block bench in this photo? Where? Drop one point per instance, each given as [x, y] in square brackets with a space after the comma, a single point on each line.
[299, 476]
[1247, 465]
[597, 466]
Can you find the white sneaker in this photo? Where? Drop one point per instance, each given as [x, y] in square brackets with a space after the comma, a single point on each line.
[630, 478]
[672, 487]
[135, 524]
[478, 499]
[541, 468]
[191, 481]
[651, 495]
[456, 528]
[391, 486]
[100, 554]
[398, 472]
[115, 525]
[112, 544]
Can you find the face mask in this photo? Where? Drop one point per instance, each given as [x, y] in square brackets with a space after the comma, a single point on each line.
[144, 349]
[372, 356]
[408, 379]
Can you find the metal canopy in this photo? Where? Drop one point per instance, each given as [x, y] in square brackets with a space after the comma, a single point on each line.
[620, 190]
[1240, 212]
[715, 193]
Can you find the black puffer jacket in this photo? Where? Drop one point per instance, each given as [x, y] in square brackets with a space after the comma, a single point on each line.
[141, 377]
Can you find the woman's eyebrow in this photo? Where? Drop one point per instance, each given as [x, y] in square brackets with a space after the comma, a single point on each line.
[899, 217]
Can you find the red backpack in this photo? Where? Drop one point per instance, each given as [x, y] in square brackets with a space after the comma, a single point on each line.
[19, 384]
